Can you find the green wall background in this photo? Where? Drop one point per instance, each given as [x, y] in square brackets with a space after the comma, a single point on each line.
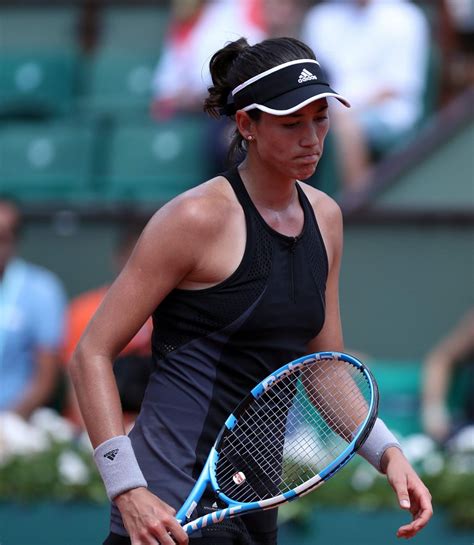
[404, 286]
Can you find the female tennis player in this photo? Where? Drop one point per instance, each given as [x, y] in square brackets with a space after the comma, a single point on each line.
[240, 275]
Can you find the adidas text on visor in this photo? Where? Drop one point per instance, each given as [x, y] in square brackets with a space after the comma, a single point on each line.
[283, 89]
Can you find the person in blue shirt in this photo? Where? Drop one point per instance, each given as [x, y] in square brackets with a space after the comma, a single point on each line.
[32, 304]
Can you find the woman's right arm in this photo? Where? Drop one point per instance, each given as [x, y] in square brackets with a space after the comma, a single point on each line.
[165, 254]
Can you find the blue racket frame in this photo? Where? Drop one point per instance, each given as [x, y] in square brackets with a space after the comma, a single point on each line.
[208, 474]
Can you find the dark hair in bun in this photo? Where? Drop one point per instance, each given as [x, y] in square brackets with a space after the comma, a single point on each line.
[237, 62]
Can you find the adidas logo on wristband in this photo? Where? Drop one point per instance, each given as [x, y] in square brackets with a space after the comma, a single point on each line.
[111, 454]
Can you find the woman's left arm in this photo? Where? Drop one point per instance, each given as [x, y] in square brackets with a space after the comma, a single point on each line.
[330, 224]
[412, 494]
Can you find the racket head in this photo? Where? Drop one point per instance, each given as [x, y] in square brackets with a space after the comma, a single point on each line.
[294, 430]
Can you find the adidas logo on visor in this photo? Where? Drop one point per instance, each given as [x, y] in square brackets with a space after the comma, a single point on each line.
[306, 75]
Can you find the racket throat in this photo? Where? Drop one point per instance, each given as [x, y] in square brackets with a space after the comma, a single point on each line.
[190, 511]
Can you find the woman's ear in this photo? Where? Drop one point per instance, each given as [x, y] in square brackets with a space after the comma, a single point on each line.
[245, 124]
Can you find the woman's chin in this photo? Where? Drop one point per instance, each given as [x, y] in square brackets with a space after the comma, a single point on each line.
[306, 171]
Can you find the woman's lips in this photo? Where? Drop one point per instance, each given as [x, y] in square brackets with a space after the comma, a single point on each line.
[309, 158]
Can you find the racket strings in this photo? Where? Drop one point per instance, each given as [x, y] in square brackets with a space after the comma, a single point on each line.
[293, 431]
[341, 394]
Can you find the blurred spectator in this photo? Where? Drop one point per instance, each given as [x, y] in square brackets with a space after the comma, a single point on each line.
[460, 61]
[378, 52]
[282, 17]
[198, 28]
[132, 368]
[441, 365]
[32, 304]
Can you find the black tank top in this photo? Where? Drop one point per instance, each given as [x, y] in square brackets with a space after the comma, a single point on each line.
[211, 346]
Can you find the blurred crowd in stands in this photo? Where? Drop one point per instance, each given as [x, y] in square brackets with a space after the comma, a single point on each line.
[386, 55]
[398, 62]
[379, 53]
[107, 67]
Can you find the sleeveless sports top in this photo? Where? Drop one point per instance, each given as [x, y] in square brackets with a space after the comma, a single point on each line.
[211, 346]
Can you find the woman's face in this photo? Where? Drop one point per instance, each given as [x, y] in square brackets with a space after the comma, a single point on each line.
[293, 144]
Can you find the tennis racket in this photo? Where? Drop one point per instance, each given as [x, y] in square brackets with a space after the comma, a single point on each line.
[293, 431]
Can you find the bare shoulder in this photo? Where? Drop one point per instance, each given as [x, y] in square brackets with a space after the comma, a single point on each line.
[181, 233]
[200, 211]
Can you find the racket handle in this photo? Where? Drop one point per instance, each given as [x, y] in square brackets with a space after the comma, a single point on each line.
[211, 518]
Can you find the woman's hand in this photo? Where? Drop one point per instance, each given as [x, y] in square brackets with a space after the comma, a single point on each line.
[412, 494]
[148, 519]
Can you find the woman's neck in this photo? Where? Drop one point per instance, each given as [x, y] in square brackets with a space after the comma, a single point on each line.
[266, 187]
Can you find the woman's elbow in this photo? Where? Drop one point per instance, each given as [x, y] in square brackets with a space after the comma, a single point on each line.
[83, 362]
[77, 363]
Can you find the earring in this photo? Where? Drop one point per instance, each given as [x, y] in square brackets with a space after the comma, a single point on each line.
[250, 138]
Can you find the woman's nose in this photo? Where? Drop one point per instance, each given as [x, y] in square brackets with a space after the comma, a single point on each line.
[310, 136]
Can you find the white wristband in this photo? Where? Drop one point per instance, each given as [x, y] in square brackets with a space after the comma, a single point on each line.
[378, 441]
[118, 466]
